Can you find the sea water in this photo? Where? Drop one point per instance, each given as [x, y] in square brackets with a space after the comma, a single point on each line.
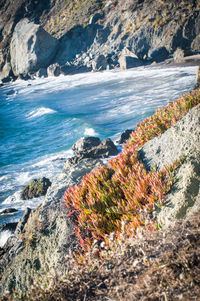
[41, 119]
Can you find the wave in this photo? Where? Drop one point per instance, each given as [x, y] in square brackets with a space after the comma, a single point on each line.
[15, 201]
[4, 235]
[46, 166]
[40, 112]
[90, 132]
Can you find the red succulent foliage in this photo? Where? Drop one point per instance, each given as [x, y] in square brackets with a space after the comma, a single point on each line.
[119, 197]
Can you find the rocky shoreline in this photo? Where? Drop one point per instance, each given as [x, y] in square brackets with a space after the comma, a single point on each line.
[44, 238]
[118, 34]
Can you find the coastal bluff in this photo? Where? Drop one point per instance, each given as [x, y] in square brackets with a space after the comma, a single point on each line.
[42, 244]
[50, 38]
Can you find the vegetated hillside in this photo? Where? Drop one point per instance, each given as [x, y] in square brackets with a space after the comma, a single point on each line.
[159, 266]
[136, 26]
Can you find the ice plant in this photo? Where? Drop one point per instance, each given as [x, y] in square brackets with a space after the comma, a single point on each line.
[124, 192]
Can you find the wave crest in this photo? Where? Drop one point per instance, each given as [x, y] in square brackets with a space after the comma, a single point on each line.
[90, 132]
[40, 112]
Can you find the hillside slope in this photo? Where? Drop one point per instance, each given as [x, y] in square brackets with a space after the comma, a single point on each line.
[95, 35]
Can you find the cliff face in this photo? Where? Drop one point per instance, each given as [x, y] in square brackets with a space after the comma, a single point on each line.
[94, 35]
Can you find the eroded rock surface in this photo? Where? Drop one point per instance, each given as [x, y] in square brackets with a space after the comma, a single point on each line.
[35, 189]
[31, 48]
[125, 136]
[181, 140]
[93, 35]
[93, 148]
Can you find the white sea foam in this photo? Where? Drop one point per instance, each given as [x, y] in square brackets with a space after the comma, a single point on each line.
[22, 178]
[45, 166]
[56, 84]
[39, 112]
[15, 201]
[90, 132]
[4, 235]
[12, 199]
[2, 178]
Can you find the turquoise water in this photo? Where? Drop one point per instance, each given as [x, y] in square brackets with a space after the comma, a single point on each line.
[41, 119]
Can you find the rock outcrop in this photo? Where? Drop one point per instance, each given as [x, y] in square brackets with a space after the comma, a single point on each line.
[94, 148]
[35, 189]
[93, 35]
[127, 62]
[181, 140]
[31, 48]
[125, 136]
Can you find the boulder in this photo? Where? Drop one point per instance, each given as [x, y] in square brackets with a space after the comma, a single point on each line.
[106, 149]
[159, 54]
[31, 48]
[99, 63]
[6, 73]
[195, 46]
[42, 72]
[127, 62]
[85, 144]
[8, 211]
[125, 136]
[94, 148]
[8, 227]
[54, 70]
[179, 55]
[35, 189]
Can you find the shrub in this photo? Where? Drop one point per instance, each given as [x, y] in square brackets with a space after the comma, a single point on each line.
[121, 196]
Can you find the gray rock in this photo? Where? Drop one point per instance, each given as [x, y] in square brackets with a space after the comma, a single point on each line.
[8, 211]
[125, 136]
[85, 144]
[163, 150]
[8, 227]
[31, 48]
[6, 73]
[105, 149]
[35, 189]
[75, 44]
[22, 221]
[94, 148]
[95, 18]
[179, 55]
[159, 54]
[195, 46]
[182, 139]
[127, 62]
[54, 70]
[42, 72]
[99, 63]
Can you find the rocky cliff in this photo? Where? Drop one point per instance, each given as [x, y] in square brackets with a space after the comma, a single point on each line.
[82, 35]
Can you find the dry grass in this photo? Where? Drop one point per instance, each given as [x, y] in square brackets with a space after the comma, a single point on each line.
[164, 265]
